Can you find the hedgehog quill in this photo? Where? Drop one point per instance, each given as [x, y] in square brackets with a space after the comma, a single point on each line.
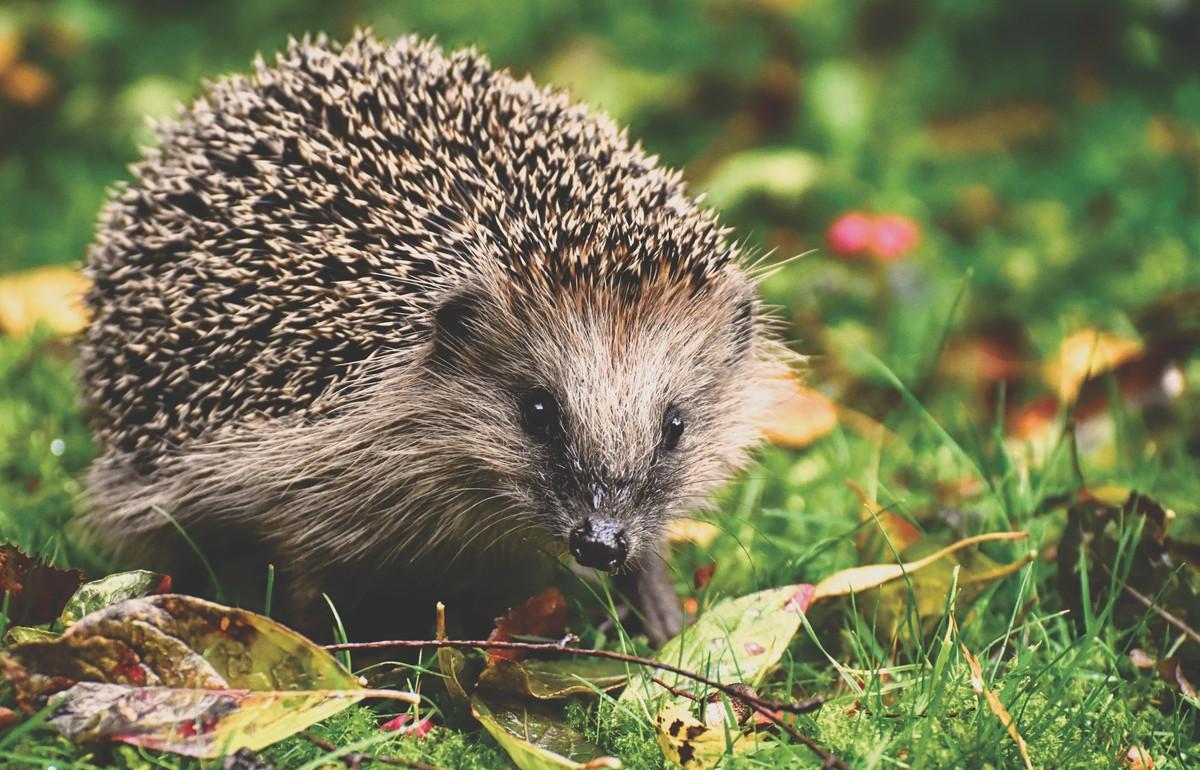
[408, 327]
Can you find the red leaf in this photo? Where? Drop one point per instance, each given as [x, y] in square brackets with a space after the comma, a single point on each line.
[704, 574]
[37, 591]
[543, 614]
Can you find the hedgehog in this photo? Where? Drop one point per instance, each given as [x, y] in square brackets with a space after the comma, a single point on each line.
[409, 328]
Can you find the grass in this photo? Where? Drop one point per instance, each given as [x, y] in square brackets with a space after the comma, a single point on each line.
[900, 691]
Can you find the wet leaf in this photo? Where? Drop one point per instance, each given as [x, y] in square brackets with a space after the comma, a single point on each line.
[543, 615]
[36, 590]
[51, 296]
[202, 723]
[536, 737]
[696, 745]
[247, 679]
[110, 590]
[554, 679]
[735, 640]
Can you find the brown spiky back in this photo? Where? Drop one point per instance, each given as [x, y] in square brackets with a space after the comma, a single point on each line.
[294, 223]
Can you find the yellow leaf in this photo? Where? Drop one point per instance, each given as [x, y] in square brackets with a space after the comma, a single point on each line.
[52, 296]
[692, 744]
[800, 417]
[692, 531]
[1084, 354]
[857, 579]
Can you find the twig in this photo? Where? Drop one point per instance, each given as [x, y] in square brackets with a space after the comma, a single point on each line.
[1174, 620]
[768, 708]
[354, 759]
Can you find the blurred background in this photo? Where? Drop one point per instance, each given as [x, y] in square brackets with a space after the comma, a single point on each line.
[990, 201]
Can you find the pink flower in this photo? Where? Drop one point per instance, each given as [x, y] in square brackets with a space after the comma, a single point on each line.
[893, 237]
[851, 233]
[885, 238]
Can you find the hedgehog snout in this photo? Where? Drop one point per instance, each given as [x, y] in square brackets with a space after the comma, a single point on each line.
[599, 542]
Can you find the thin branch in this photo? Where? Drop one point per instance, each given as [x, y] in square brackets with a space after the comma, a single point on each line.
[354, 759]
[768, 708]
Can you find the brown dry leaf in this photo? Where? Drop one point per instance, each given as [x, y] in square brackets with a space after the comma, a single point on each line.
[800, 415]
[859, 579]
[1083, 355]
[543, 614]
[52, 296]
[994, 704]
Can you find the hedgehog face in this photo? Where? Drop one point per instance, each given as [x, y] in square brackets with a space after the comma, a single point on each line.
[603, 416]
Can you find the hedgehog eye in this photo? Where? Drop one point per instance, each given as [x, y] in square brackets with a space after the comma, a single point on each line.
[672, 429]
[539, 413]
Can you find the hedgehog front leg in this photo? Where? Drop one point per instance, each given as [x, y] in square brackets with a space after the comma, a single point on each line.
[648, 586]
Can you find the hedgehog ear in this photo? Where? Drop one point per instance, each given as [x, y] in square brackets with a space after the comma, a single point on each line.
[454, 322]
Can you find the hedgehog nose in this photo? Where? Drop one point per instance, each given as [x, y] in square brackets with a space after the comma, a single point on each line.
[599, 543]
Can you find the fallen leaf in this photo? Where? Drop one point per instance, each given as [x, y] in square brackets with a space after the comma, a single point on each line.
[925, 593]
[1083, 355]
[168, 653]
[694, 531]
[1097, 536]
[52, 296]
[36, 590]
[536, 737]
[717, 642]
[21, 634]
[544, 615]
[703, 575]
[27, 84]
[110, 590]
[554, 679]
[885, 532]
[695, 745]
[859, 579]
[1137, 758]
[800, 415]
[994, 704]
[203, 723]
